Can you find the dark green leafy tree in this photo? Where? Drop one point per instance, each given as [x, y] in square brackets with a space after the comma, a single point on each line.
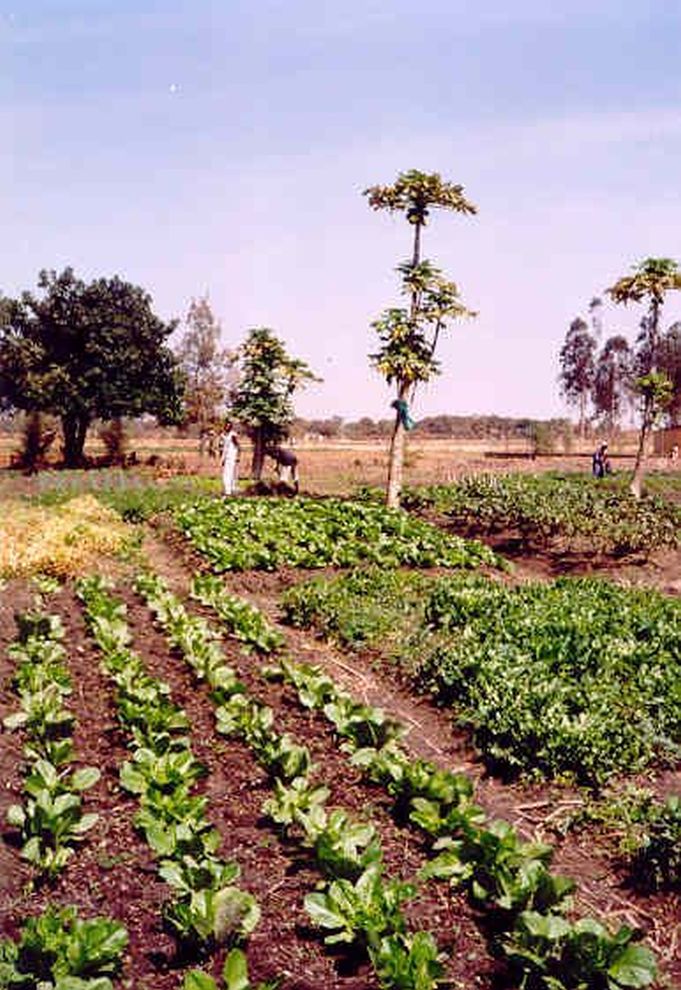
[262, 399]
[409, 336]
[612, 381]
[577, 369]
[87, 351]
[652, 279]
[205, 364]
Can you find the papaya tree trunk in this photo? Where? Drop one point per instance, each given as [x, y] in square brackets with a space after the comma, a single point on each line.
[396, 456]
[397, 441]
[636, 484]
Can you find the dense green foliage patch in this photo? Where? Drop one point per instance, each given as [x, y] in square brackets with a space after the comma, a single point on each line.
[657, 860]
[573, 512]
[578, 676]
[367, 606]
[243, 534]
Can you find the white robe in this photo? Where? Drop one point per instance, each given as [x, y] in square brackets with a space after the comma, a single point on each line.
[230, 456]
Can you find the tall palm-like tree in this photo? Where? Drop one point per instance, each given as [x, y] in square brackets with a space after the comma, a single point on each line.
[407, 355]
[650, 282]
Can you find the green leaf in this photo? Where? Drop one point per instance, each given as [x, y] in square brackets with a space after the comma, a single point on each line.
[85, 778]
[236, 913]
[634, 967]
[15, 720]
[317, 907]
[16, 815]
[85, 823]
[235, 972]
[196, 979]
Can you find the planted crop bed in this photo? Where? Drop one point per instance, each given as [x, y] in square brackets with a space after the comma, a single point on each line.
[270, 810]
[244, 533]
[189, 806]
[578, 676]
[569, 514]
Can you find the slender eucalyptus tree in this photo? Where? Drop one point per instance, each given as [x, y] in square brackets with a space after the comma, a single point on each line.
[612, 381]
[576, 376]
[409, 336]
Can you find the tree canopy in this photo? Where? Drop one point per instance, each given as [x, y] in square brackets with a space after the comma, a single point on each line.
[84, 351]
[205, 364]
[577, 368]
[262, 399]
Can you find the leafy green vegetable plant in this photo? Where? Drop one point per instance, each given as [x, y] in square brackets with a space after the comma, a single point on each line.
[60, 951]
[51, 821]
[234, 976]
[245, 534]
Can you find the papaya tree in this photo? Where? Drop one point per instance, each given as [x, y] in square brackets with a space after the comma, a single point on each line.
[409, 335]
[262, 398]
[650, 282]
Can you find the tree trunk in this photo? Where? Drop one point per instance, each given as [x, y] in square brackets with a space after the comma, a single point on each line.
[396, 457]
[397, 441]
[582, 415]
[74, 428]
[258, 454]
[636, 484]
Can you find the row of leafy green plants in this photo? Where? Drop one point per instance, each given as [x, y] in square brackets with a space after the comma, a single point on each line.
[264, 534]
[57, 948]
[576, 677]
[506, 877]
[565, 513]
[357, 905]
[209, 909]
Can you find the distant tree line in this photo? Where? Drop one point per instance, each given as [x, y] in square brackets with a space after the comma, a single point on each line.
[472, 427]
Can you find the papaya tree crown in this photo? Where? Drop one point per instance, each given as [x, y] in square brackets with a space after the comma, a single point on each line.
[415, 193]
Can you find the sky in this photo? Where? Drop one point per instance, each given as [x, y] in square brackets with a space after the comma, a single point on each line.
[222, 148]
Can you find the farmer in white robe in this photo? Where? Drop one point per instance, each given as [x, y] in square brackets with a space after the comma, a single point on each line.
[229, 456]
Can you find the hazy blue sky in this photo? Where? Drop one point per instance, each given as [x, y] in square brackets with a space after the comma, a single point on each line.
[195, 146]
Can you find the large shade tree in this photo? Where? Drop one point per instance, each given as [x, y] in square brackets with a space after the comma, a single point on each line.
[409, 336]
[651, 281]
[262, 398]
[84, 351]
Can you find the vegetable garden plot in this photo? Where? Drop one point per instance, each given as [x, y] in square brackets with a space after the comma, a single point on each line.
[242, 533]
[238, 790]
[569, 514]
[334, 842]
[108, 872]
[579, 676]
[564, 943]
